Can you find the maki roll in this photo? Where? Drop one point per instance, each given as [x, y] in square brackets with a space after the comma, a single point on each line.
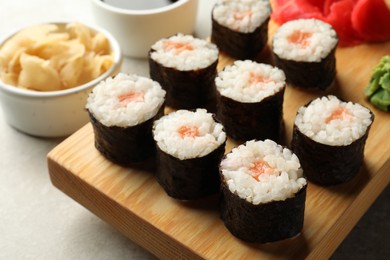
[185, 67]
[190, 145]
[263, 192]
[305, 50]
[122, 111]
[250, 100]
[240, 28]
[329, 136]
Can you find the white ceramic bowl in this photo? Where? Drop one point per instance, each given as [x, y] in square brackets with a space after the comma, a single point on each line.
[52, 113]
[137, 30]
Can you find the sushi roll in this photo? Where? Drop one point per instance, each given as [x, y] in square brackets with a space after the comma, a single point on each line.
[329, 136]
[122, 111]
[185, 67]
[305, 50]
[250, 100]
[190, 145]
[263, 192]
[240, 28]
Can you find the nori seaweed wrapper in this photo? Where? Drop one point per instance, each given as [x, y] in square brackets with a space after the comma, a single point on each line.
[189, 179]
[246, 121]
[328, 165]
[186, 89]
[125, 145]
[240, 45]
[310, 75]
[267, 222]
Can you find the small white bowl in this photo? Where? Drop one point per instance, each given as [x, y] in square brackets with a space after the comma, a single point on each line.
[137, 30]
[52, 113]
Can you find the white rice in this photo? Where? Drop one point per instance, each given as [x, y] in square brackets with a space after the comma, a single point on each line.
[313, 121]
[242, 16]
[104, 103]
[210, 136]
[234, 81]
[285, 180]
[202, 54]
[322, 41]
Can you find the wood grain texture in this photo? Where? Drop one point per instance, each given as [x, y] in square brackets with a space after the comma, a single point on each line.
[132, 201]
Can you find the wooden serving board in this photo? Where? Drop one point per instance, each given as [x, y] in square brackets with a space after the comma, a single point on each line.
[133, 202]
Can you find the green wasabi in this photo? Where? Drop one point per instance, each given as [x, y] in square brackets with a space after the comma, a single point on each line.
[378, 90]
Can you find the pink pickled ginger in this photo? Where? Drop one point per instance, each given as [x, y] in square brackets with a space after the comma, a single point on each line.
[355, 21]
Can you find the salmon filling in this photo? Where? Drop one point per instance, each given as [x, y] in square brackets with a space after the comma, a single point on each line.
[178, 46]
[188, 131]
[340, 114]
[131, 96]
[260, 167]
[254, 79]
[241, 15]
[300, 38]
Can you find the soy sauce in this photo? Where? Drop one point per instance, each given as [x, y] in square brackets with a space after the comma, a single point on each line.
[139, 4]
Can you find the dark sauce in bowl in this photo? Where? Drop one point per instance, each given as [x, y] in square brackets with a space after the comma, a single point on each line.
[139, 4]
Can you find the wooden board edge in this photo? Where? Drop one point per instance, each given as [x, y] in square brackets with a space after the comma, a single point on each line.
[352, 214]
[123, 220]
